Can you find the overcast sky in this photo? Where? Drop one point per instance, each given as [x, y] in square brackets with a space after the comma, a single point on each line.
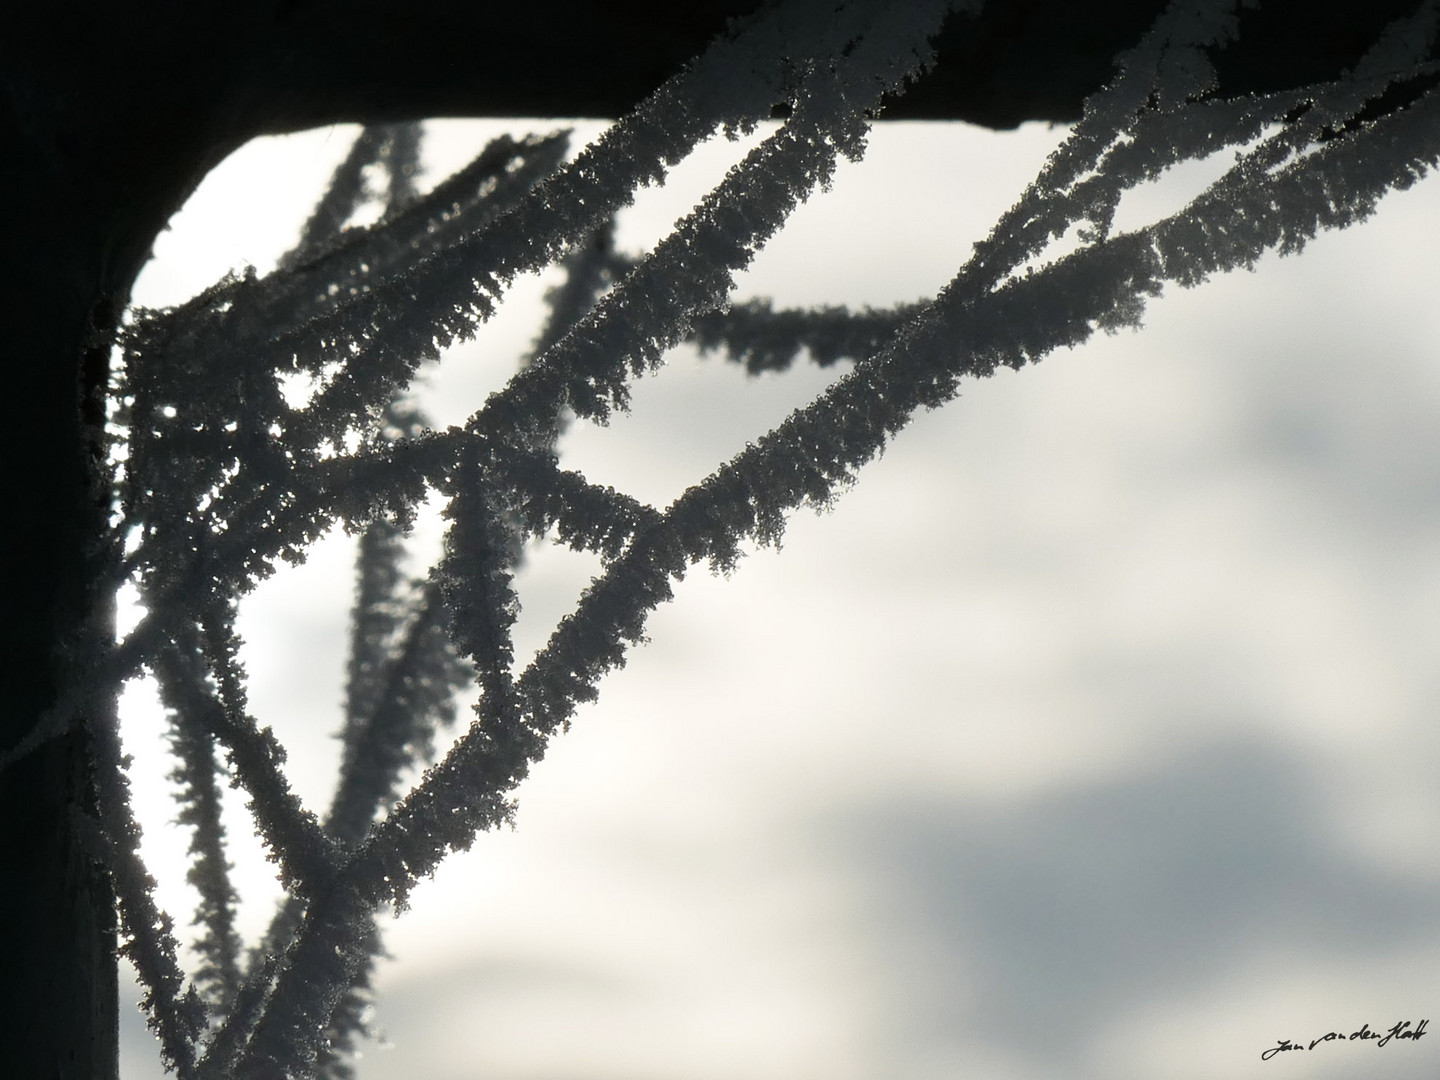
[1092, 734]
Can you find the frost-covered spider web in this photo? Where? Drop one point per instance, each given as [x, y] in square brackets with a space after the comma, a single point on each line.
[1000, 320]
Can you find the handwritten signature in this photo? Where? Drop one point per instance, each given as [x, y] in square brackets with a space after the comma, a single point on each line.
[1402, 1030]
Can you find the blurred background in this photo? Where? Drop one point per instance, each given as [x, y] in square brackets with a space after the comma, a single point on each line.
[1092, 734]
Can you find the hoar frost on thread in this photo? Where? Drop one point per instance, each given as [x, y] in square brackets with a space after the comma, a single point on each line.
[223, 476]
